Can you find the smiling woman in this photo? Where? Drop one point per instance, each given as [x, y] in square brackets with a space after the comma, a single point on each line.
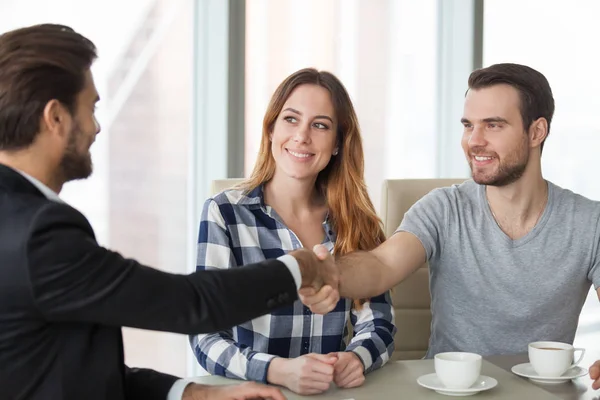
[307, 188]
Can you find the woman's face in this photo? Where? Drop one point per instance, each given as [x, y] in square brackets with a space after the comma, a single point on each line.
[304, 135]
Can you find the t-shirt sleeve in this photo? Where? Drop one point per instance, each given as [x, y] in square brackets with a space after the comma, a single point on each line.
[594, 271]
[428, 220]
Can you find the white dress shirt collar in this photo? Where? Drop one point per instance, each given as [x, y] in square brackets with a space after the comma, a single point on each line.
[46, 191]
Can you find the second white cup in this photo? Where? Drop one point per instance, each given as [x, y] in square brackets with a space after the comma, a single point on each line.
[552, 359]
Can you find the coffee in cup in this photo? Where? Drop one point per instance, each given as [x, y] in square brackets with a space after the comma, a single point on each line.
[552, 359]
[457, 370]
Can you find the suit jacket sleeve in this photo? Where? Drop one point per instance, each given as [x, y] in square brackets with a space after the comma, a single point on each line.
[147, 384]
[74, 279]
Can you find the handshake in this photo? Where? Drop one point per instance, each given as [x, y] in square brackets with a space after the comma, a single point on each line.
[319, 290]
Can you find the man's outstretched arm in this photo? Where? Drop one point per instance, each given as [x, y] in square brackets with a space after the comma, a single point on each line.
[366, 274]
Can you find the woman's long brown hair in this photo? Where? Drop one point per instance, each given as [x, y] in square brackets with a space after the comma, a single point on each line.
[351, 212]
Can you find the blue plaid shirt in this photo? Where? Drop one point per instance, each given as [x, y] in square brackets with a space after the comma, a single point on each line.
[238, 229]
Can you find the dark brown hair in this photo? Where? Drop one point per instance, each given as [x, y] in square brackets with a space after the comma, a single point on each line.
[38, 64]
[536, 100]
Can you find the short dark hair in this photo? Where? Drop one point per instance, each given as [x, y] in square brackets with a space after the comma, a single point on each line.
[536, 100]
[38, 64]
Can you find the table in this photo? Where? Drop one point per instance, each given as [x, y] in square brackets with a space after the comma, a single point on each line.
[397, 380]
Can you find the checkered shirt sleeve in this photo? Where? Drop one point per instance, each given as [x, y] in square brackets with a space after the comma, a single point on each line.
[219, 353]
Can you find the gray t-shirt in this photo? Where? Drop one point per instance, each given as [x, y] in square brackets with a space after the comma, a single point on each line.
[494, 295]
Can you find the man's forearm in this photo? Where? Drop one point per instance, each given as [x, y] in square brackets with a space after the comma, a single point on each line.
[363, 275]
[366, 274]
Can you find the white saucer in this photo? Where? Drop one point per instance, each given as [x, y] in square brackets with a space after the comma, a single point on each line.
[431, 381]
[526, 370]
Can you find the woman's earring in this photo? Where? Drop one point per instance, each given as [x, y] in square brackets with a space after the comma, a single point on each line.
[335, 151]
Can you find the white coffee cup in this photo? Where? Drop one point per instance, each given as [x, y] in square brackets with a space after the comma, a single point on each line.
[457, 370]
[552, 359]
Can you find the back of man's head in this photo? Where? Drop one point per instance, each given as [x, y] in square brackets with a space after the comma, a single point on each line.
[38, 64]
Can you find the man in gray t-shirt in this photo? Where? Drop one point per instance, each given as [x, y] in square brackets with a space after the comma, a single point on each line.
[511, 255]
[492, 294]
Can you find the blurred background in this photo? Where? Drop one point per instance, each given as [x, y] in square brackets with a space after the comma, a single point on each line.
[185, 84]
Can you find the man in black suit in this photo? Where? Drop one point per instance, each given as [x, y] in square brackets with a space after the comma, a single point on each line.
[63, 298]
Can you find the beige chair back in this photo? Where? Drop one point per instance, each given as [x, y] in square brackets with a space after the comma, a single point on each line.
[219, 185]
[411, 298]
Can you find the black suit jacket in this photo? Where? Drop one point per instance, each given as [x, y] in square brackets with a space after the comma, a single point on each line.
[64, 299]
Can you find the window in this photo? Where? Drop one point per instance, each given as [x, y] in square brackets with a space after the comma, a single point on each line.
[137, 197]
[525, 32]
[385, 54]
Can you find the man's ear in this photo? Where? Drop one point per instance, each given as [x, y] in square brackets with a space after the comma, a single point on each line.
[538, 131]
[55, 117]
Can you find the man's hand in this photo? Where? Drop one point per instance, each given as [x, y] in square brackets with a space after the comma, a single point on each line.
[243, 391]
[349, 371]
[320, 279]
[308, 374]
[595, 375]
